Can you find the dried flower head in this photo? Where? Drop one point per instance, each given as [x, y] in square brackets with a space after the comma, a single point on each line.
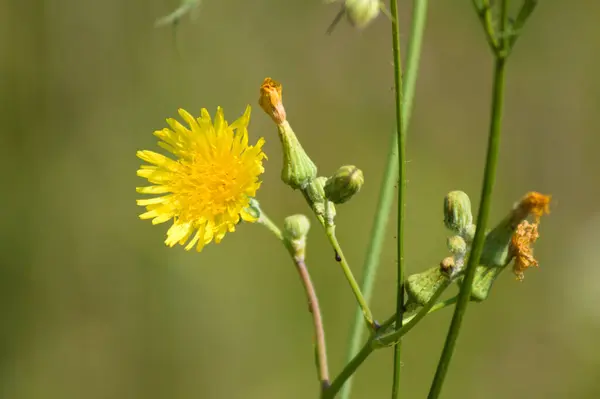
[522, 240]
[208, 188]
[533, 203]
[271, 100]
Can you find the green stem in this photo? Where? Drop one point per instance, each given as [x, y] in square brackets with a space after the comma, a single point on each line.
[440, 305]
[401, 132]
[330, 230]
[272, 227]
[369, 346]
[386, 195]
[482, 218]
[485, 16]
[349, 370]
[395, 336]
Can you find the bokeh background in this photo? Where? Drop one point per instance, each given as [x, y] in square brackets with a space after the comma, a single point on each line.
[93, 305]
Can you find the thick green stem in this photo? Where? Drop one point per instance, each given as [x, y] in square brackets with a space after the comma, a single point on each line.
[401, 132]
[387, 191]
[482, 218]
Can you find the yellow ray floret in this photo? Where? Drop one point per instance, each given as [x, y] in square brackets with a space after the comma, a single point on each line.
[206, 189]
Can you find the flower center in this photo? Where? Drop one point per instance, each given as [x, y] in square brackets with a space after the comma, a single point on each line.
[207, 188]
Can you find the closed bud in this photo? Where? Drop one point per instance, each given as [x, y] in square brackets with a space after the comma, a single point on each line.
[457, 245]
[421, 287]
[457, 212]
[361, 12]
[298, 169]
[295, 230]
[344, 184]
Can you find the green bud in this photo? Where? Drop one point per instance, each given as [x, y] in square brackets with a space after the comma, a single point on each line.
[421, 287]
[298, 169]
[295, 230]
[361, 12]
[344, 184]
[457, 245]
[296, 227]
[457, 212]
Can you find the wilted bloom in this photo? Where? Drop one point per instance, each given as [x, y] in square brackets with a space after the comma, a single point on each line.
[524, 237]
[271, 100]
[298, 169]
[209, 186]
[533, 203]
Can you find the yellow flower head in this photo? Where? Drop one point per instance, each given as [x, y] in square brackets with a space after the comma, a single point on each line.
[208, 187]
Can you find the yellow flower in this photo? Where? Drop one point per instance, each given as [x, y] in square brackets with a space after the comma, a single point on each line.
[210, 184]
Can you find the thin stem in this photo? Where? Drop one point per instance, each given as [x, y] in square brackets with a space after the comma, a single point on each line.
[395, 336]
[369, 346]
[315, 310]
[401, 131]
[368, 316]
[440, 305]
[349, 370]
[386, 194]
[268, 223]
[313, 301]
[482, 218]
[485, 16]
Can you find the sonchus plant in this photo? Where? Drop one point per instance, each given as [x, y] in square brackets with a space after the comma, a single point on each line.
[209, 183]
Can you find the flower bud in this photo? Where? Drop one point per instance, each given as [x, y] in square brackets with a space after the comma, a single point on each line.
[421, 287]
[344, 184]
[457, 245]
[361, 12]
[298, 169]
[295, 230]
[457, 212]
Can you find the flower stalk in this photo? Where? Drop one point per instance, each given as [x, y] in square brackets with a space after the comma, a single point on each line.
[294, 238]
[500, 50]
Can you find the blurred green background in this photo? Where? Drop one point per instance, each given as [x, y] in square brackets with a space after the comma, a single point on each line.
[94, 305]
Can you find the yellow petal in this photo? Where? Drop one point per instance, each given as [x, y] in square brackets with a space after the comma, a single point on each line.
[152, 190]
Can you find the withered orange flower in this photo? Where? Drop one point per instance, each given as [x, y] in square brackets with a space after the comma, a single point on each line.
[271, 100]
[522, 240]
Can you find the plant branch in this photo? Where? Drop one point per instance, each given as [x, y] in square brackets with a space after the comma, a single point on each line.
[350, 369]
[485, 16]
[386, 195]
[313, 301]
[401, 132]
[395, 336]
[368, 316]
[482, 219]
[315, 310]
